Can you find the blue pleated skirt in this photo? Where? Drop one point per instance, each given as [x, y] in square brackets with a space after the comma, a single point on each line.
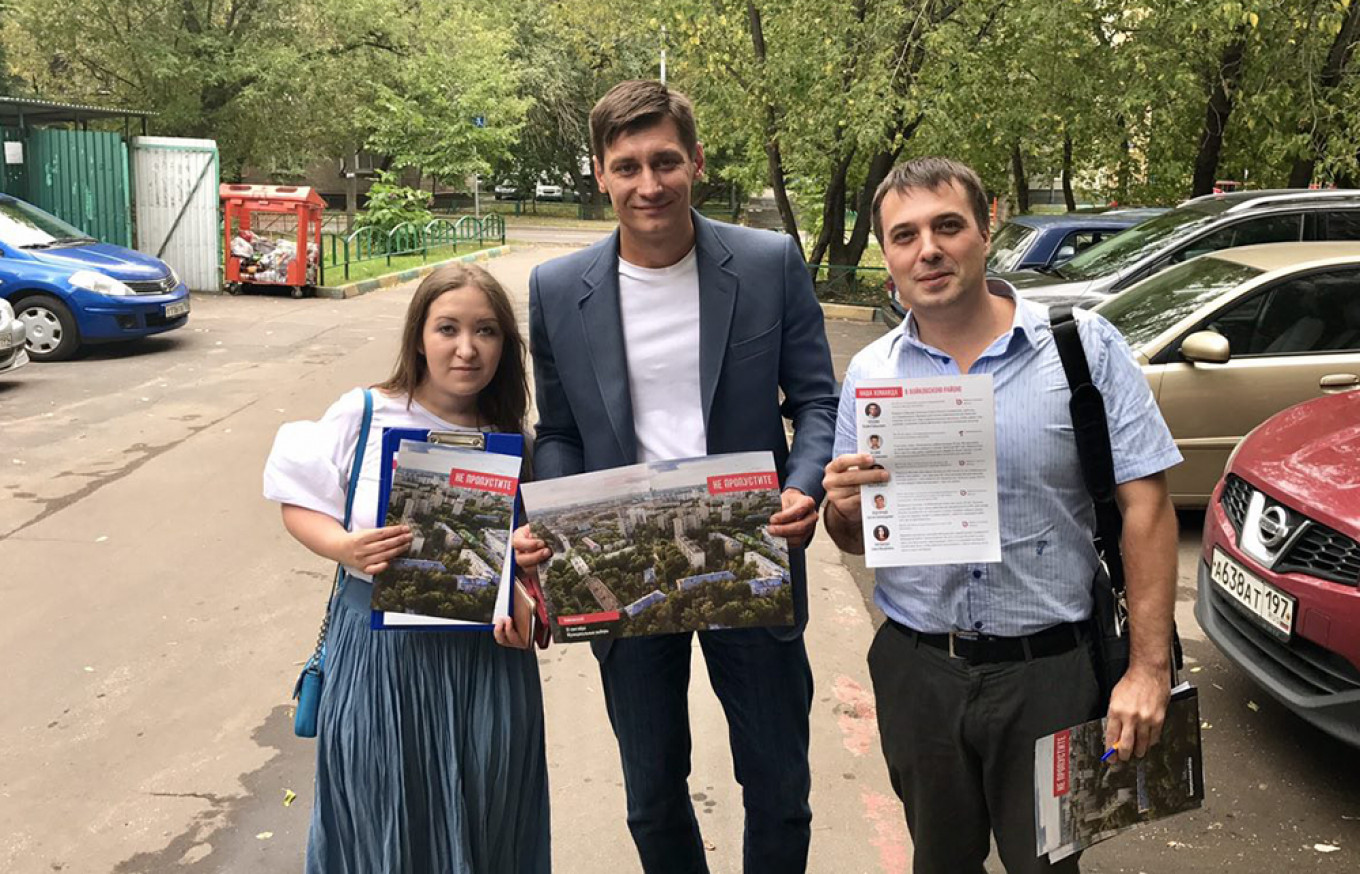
[430, 753]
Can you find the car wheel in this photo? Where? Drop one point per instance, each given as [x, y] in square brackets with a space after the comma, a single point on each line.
[295, 291]
[51, 329]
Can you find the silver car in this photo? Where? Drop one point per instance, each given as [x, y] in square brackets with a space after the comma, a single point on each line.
[1196, 227]
[12, 336]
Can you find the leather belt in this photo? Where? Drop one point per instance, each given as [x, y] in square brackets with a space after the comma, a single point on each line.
[978, 649]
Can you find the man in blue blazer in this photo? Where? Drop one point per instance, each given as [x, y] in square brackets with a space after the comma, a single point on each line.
[674, 338]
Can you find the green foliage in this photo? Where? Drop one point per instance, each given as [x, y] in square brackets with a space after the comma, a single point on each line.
[390, 204]
[830, 90]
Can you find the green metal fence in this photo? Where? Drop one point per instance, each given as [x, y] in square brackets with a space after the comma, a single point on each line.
[82, 177]
[341, 251]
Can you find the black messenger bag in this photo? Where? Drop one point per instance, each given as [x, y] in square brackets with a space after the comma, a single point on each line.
[1109, 613]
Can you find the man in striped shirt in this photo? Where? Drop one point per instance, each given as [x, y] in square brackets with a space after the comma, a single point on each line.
[978, 660]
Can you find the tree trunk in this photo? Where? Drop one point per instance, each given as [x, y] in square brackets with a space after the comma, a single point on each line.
[1338, 60]
[1068, 198]
[831, 241]
[1122, 169]
[1222, 98]
[1301, 174]
[774, 159]
[1018, 175]
[879, 168]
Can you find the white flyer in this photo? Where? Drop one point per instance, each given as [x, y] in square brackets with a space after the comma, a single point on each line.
[937, 437]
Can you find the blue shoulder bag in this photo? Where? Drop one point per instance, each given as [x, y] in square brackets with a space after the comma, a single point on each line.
[307, 692]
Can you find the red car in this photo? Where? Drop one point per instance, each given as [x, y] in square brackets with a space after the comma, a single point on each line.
[1279, 577]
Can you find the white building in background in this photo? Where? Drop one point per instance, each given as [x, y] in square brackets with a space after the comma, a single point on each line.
[764, 566]
[731, 546]
[476, 566]
[692, 551]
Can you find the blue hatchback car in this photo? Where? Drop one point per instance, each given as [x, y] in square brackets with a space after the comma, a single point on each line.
[70, 290]
[1037, 242]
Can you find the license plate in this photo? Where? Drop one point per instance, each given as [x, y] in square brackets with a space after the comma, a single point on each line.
[176, 309]
[1260, 599]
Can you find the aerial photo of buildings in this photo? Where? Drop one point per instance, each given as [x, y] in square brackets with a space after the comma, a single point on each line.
[453, 569]
[664, 551]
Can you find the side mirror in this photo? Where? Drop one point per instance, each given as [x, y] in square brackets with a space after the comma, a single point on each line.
[1206, 347]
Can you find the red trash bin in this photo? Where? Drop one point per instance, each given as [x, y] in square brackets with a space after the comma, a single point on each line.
[272, 236]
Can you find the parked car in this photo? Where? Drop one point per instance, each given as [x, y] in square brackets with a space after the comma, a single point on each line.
[12, 334]
[547, 191]
[507, 190]
[1279, 571]
[1039, 242]
[1230, 339]
[69, 289]
[1205, 224]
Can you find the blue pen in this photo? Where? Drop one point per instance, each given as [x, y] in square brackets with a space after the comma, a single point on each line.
[1111, 751]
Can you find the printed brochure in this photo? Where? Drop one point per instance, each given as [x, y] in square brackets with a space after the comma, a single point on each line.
[658, 548]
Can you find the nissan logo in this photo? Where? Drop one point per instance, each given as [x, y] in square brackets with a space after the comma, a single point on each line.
[1274, 527]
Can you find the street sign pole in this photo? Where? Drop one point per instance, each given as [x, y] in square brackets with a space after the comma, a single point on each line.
[477, 195]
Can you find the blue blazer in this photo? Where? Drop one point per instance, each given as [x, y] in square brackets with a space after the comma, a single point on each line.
[760, 331]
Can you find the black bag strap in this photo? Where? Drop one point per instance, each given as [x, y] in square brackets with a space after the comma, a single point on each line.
[356, 464]
[1092, 432]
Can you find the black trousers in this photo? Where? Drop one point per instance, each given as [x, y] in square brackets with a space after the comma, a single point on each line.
[765, 687]
[959, 743]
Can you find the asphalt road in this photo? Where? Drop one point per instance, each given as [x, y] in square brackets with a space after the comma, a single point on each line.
[154, 615]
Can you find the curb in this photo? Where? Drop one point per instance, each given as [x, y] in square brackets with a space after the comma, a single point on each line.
[354, 289]
[851, 313]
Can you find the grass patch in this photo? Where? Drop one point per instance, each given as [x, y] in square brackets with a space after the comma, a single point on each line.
[358, 271]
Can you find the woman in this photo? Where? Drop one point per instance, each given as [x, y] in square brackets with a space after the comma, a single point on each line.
[430, 746]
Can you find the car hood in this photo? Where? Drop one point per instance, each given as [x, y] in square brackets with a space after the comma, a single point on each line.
[116, 261]
[1309, 456]
[1051, 291]
[1033, 284]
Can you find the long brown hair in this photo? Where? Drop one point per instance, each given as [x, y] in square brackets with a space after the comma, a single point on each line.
[504, 402]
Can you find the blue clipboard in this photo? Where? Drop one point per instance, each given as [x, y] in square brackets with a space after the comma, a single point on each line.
[503, 444]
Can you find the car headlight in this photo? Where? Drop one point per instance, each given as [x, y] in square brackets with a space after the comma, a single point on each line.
[99, 283]
[174, 276]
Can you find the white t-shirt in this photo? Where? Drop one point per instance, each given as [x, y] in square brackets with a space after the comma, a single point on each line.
[310, 462]
[660, 309]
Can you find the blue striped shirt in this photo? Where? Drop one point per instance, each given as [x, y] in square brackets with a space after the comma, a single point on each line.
[1047, 520]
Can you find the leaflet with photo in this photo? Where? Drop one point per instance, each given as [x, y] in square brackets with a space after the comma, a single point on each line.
[658, 548]
[460, 506]
[1081, 800]
[937, 437]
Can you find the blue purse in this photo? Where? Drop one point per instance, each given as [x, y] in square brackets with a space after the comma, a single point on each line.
[307, 691]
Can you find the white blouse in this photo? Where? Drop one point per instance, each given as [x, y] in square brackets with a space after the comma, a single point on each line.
[310, 462]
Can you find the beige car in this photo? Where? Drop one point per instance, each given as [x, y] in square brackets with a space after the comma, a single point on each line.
[1231, 338]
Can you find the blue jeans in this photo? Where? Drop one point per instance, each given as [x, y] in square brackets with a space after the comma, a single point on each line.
[765, 688]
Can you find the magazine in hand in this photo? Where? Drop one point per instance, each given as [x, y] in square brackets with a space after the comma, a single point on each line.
[658, 548]
[1080, 800]
[460, 506]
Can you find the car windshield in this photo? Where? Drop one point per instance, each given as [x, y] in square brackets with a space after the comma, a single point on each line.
[27, 227]
[1008, 246]
[1127, 248]
[1160, 301]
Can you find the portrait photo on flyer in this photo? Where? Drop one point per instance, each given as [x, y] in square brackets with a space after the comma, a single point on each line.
[460, 506]
[663, 547]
